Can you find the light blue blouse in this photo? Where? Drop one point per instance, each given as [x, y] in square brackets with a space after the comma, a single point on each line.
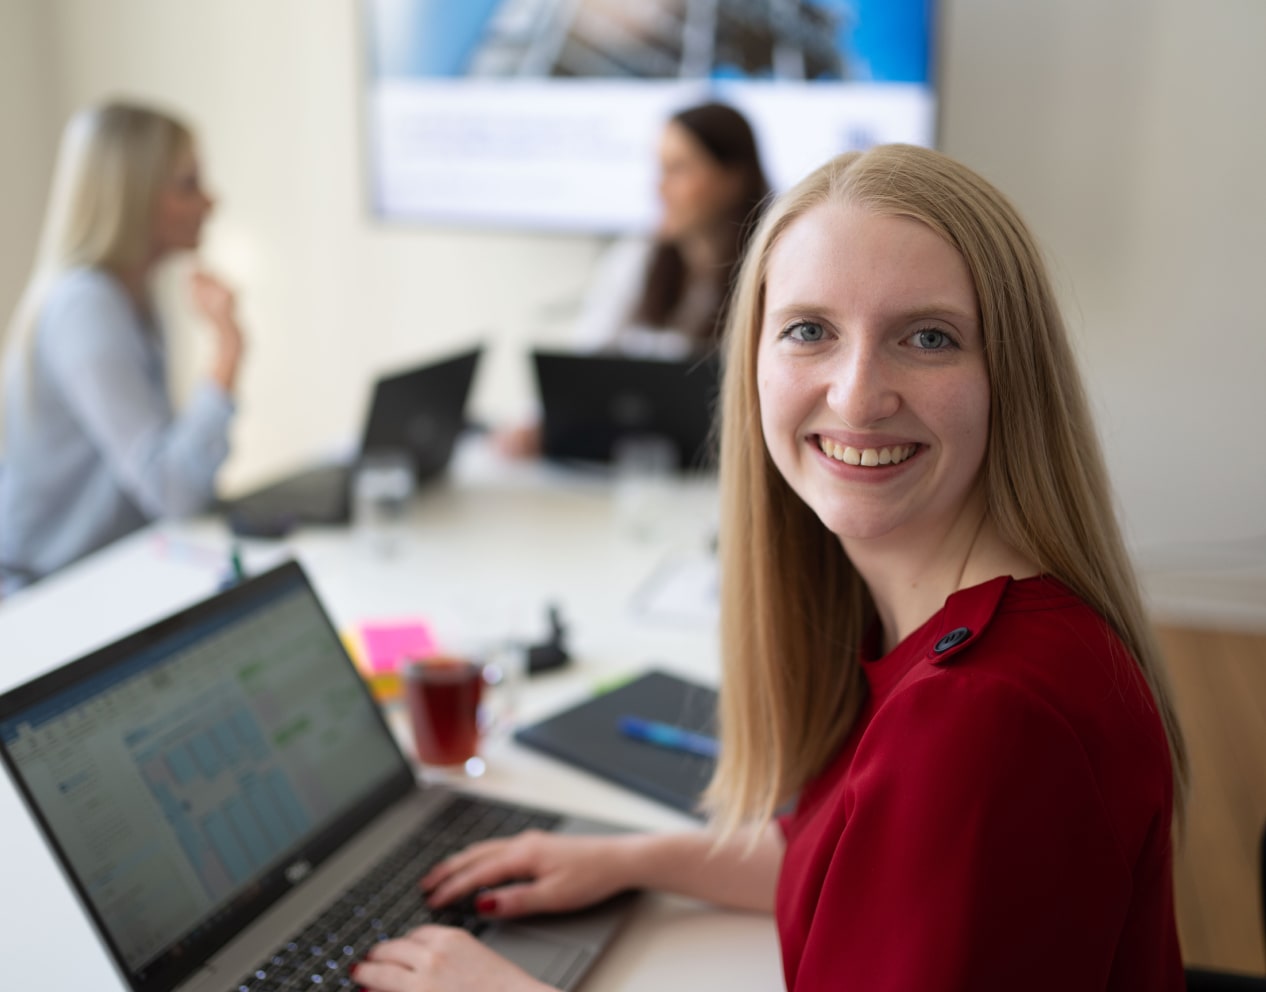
[93, 449]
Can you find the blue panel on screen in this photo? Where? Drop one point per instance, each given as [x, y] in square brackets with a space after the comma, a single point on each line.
[545, 114]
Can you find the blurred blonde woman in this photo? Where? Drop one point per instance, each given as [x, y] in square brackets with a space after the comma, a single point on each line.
[92, 446]
[936, 663]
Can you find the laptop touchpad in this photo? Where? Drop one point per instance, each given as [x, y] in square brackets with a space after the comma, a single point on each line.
[540, 955]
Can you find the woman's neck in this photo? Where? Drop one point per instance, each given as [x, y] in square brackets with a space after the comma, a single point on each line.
[135, 283]
[910, 578]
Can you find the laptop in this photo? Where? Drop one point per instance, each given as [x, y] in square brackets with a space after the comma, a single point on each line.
[420, 412]
[590, 401]
[234, 813]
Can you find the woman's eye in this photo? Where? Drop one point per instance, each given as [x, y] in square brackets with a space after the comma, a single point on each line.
[931, 339]
[806, 331]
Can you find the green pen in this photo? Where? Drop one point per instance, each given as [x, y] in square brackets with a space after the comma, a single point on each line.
[235, 558]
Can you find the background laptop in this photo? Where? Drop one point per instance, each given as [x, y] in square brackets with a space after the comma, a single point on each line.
[421, 412]
[591, 400]
[226, 800]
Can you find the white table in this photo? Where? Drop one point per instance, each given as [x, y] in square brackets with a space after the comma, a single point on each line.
[480, 556]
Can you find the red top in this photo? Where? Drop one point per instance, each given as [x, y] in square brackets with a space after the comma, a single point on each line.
[998, 818]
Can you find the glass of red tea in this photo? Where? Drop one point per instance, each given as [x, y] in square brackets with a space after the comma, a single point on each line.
[444, 696]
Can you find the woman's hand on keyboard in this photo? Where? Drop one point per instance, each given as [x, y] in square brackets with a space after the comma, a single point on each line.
[533, 872]
[439, 959]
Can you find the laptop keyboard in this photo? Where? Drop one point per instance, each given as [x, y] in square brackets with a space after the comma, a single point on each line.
[386, 902]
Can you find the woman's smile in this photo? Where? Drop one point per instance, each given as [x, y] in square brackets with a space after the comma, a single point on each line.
[888, 454]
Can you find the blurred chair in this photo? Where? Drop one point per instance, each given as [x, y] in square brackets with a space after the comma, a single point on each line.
[1200, 980]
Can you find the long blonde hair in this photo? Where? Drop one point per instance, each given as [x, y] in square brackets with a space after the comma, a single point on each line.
[111, 165]
[793, 608]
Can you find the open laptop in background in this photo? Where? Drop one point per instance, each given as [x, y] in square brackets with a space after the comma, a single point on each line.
[589, 401]
[420, 412]
[234, 813]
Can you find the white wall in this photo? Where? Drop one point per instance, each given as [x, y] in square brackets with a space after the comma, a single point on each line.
[1131, 136]
[1128, 133]
[28, 119]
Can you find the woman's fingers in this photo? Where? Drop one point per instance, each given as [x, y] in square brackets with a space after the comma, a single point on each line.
[438, 959]
[385, 977]
[530, 873]
[482, 865]
[214, 297]
[481, 875]
[459, 861]
[516, 899]
[399, 965]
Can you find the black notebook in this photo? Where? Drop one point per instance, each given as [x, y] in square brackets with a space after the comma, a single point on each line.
[589, 737]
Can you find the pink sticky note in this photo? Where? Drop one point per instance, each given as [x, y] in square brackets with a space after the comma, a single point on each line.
[388, 644]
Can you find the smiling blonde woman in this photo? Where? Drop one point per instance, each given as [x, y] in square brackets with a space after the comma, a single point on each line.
[936, 663]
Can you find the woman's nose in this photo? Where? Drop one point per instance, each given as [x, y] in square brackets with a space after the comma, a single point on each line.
[861, 391]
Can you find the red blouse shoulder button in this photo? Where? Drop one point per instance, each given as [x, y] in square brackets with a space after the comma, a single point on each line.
[951, 640]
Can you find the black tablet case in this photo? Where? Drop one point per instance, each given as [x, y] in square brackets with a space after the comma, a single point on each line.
[588, 737]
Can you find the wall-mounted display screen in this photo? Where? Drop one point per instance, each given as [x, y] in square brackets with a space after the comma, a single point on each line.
[546, 114]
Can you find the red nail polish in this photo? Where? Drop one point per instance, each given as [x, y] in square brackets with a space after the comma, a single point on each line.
[485, 904]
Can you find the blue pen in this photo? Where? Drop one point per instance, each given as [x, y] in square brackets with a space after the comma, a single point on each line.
[668, 736]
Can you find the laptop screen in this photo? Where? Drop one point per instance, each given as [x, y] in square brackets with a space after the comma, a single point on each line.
[421, 412]
[590, 401]
[184, 772]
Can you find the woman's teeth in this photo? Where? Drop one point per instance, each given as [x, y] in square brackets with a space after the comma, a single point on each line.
[866, 457]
